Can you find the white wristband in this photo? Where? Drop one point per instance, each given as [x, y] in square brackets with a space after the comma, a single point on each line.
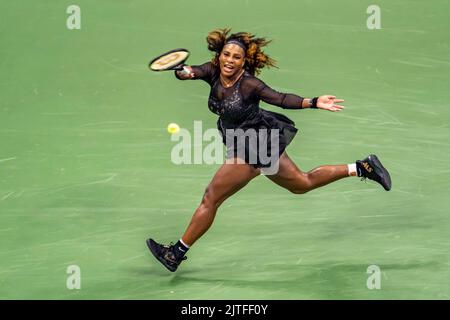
[185, 71]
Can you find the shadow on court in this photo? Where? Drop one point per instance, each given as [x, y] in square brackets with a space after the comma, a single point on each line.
[329, 280]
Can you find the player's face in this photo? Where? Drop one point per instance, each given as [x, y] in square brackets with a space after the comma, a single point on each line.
[231, 60]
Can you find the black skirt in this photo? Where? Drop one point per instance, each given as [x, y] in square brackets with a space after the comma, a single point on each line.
[260, 140]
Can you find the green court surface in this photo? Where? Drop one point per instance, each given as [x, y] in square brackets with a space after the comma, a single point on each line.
[86, 174]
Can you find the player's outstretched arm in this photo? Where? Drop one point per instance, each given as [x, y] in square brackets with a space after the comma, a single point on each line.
[292, 101]
[329, 103]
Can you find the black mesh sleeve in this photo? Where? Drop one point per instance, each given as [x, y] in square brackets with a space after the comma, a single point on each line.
[204, 72]
[270, 96]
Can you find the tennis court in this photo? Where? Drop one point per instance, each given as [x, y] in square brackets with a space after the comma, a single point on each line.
[86, 174]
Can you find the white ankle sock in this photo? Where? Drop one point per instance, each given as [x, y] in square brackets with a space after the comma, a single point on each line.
[184, 244]
[352, 170]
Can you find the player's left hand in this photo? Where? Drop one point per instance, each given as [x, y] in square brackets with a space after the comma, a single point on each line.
[329, 103]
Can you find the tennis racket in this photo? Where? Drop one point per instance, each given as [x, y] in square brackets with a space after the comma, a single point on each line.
[170, 60]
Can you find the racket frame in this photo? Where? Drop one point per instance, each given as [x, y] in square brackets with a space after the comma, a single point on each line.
[178, 66]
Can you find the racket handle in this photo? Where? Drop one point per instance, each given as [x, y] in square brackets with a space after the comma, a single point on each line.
[179, 67]
[185, 71]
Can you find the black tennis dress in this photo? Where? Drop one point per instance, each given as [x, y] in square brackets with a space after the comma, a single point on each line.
[238, 108]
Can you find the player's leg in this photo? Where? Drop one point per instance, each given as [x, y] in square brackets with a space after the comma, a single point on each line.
[292, 178]
[230, 178]
[289, 176]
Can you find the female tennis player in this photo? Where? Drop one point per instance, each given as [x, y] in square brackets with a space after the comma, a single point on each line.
[235, 95]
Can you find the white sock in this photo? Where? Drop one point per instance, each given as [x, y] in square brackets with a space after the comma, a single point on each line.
[184, 244]
[352, 169]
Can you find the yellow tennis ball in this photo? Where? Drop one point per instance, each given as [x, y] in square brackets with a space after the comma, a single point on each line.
[173, 128]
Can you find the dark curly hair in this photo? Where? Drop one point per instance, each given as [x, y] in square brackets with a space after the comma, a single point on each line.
[255, 58]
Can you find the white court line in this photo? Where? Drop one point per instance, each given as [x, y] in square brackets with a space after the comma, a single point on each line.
[101, 181]
[412, 63]
[58, 114]
[7, 196]
[103, 122]
[141, 70]
[111, 177]
[132, 258]
[7, 159]
[378, 216]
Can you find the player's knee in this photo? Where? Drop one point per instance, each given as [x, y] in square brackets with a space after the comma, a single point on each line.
[209, 200]
[302, 184]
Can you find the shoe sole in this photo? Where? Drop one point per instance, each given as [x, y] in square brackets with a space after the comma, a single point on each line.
[149, 245]
[382, 172]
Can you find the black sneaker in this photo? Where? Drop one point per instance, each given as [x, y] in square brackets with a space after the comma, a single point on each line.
[165, 254]
[372, 169]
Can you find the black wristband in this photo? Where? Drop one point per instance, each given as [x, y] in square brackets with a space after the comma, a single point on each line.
[314, 103]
